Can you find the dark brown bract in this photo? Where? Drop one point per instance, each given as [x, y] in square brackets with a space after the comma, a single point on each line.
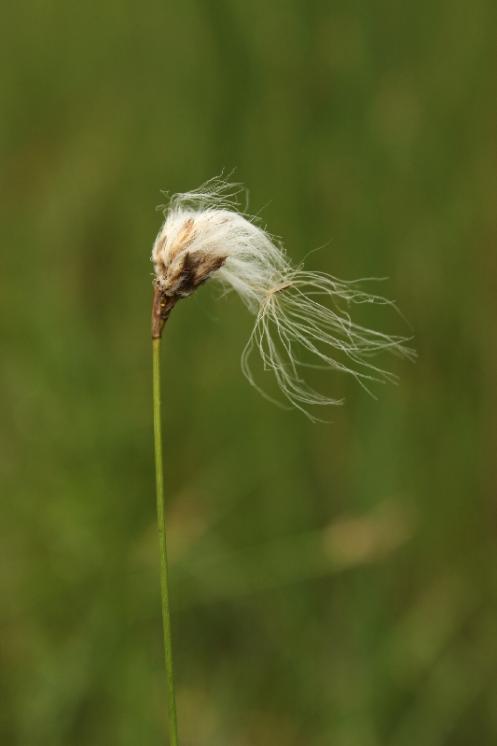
[180, 279]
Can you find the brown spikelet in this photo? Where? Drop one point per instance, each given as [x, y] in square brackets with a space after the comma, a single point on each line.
[183, 278]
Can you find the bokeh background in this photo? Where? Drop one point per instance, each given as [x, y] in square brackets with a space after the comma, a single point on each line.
[332, 584]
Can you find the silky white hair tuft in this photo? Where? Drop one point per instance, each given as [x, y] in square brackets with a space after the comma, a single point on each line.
[302, 319]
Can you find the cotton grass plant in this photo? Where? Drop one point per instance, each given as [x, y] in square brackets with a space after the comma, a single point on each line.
[302, 321]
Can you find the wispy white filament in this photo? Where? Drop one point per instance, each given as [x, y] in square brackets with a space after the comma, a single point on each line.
[302, 318]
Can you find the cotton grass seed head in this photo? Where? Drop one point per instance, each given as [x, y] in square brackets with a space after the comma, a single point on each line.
[301, 317]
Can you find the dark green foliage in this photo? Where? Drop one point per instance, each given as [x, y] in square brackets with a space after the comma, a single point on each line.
[332, 584]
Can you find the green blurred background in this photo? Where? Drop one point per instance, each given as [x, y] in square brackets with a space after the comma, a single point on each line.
[332, 584]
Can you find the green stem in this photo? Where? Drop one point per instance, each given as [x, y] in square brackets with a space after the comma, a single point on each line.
[164, 580]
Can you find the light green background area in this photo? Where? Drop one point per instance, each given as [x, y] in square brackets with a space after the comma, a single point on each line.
[332, 585]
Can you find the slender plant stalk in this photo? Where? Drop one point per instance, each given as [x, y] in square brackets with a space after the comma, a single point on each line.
[164, 579]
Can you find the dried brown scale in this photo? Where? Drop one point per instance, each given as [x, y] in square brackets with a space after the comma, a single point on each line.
[191, 272]
[185, 237]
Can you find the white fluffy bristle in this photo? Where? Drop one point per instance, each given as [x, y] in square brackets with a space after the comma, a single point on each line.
[204, 235]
